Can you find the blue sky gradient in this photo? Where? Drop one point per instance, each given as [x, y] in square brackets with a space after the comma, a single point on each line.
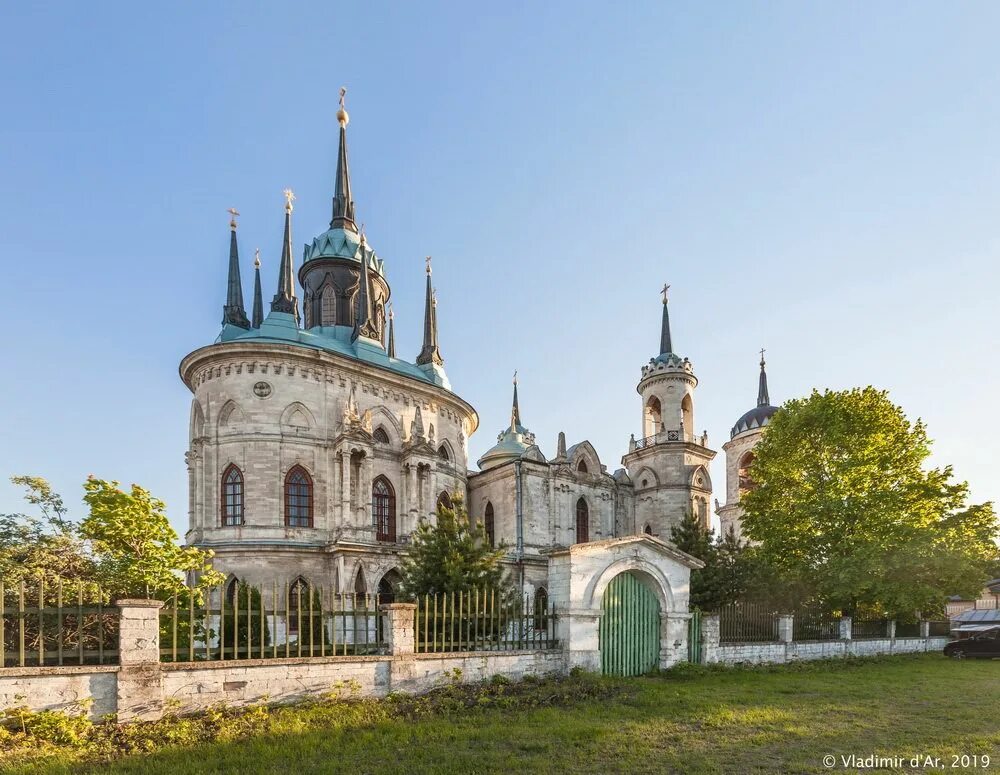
[818, 179]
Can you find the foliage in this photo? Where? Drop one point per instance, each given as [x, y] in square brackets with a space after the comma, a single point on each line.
[135, 546]
[245, 626]
[450, 555]
[847, 514]
[730, 566]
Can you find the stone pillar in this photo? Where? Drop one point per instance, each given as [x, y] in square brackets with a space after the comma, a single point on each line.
[673, 638]
[140, 683]
[845, 628]
[709, 638]
[891, 629]
[786, 628]
[399, 632]
[578, 631]
[925, 629]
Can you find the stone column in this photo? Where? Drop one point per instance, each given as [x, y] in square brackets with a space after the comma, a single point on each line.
[140, 683]
[709, 638]
[891, 629]
[786, 628]
[673, 638]
[925, 629]
[845, 628]
[399, 632]
[578, 631]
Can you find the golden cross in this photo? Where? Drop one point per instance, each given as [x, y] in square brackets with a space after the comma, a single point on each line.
[762, 351]
[233, 213]
[428, 260]
[256, 258]
[289, 198]
[664, 292]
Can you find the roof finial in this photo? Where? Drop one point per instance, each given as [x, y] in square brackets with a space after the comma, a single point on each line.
[342, 117]
[762, 351]
[428, 260]
[233, 215]
[515, 376]
[429, 353]
[666, 346]
[256, 258]
[664, 292]
[763, 399]
[289, 198]
[257, 316]
[515, 409]
[284, 300]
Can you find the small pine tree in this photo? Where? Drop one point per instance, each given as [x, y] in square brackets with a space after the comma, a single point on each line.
[452, 555]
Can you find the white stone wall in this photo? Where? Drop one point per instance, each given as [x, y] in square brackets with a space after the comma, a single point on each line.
[779, 653]
[67, 689]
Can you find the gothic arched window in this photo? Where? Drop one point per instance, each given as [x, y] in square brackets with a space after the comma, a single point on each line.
[489, 525]
[648, 530]
[443, 452]
[384, 510]
[328, 306]
[541, 607]
[232, 496]
[582, 467]
[380, 436]
[653, 417]
[298, 498]
[232, 588]
[582, 522]
[298, 602]
[745, 482]
[444, 499]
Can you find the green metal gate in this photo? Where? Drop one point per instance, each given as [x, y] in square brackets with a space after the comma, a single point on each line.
[694, 637]
[630, 627]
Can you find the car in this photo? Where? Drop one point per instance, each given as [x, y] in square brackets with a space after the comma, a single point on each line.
[985, 645]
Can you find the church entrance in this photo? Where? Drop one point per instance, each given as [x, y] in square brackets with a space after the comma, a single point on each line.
[629, 634]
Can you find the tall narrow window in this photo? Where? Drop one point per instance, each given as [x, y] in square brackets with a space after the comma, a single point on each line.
[582, 522]
[232, 497]
[444, 499]
[298, 602]
[541, 608]
[745, 482]
[298, 498]
[489, 525]
[582, 467]
[328, 306]
[443, 452]
[380, 436]
[384, 510]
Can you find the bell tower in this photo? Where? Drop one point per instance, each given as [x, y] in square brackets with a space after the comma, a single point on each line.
[668, 465]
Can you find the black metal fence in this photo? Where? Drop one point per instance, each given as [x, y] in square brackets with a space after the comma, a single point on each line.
[56, 623]
[809, 625]
[747, 622]
[907, 629]
[241, 621]
[483, 620]
[863, 628]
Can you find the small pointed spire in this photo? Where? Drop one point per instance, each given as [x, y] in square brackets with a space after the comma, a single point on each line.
[392, 333]
[515, 410]
[763, 399]
[561, 446]
[364, 325]
[258, 298]
[430, 352]
[284, 300]
[234, 313]
[665, 344]
[343, 204]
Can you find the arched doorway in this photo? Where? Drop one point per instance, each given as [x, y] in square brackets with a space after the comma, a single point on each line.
[629, 634]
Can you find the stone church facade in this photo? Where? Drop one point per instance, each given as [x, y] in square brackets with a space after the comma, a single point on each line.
[315, 450]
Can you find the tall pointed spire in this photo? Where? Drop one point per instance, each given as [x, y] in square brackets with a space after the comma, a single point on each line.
[392, 333]
[257, 317]
[364, 323]
[665, 343]
[284, 300]
[234, 313]
[763, 399]
[430, 352]
[343, 204]
[515, 410]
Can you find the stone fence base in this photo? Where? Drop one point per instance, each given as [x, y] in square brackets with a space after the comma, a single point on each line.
[779, 653]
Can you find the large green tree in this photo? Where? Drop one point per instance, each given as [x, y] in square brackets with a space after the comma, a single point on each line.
[450, 555]
[848, 513]
[730, 566]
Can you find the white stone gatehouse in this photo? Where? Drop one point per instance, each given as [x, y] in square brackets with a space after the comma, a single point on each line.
[579, 580]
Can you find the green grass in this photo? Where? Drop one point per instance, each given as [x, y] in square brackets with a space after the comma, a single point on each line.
[693, 720]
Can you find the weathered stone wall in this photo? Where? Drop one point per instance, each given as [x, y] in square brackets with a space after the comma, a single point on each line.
[779, 653]
[66, 689]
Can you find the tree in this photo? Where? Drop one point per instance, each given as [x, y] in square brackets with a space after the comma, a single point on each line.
[728, 564]
[846, 513]
[135, 546]
[450, 556]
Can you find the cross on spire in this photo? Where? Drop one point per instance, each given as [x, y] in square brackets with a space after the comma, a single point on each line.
[664, 292]
[233, 215]
[289, 198]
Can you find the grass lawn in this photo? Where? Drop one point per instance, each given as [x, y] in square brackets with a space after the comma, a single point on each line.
[695, 720]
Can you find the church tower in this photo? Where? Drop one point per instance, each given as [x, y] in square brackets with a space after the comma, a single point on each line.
[669, 464]
[744, 436]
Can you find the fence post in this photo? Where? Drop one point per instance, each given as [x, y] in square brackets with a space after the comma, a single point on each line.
[786, 628]
[398, 627]
[709, 638]
[890, 629]
[140, 683]
[925, 629]
[845, 628]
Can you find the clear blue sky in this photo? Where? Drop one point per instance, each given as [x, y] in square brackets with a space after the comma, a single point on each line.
[817, 178]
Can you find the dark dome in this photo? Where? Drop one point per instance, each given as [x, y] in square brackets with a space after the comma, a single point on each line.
[757, 417]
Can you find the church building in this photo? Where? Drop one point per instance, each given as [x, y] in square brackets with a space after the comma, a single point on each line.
[315, 449]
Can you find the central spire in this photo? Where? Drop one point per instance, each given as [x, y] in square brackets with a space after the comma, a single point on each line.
[284, 300]
[430, 353]
[665, 344]
[343, 204]
[763, 399]
[515, 410]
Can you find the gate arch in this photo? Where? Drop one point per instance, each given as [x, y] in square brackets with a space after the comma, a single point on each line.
[629, 633]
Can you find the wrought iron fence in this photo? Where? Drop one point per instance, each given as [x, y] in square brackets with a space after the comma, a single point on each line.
[907, 629]
[55, 623]
[747, 622]
[483, 620]
[241, 621]
[809, 625]
[863, 628]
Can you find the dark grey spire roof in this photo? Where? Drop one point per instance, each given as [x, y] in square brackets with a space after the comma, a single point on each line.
[515, 410]
[430, 353]
[665, 343]
[258, 299]
[284, 300]
[343, 204]
[761, 414]
[762, 398]
[392, 334]
[234, 313]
